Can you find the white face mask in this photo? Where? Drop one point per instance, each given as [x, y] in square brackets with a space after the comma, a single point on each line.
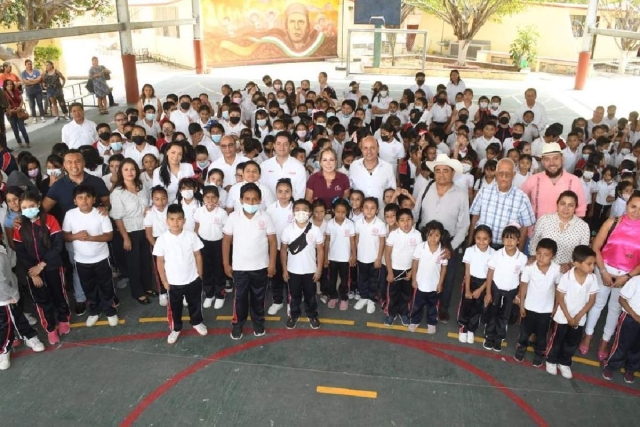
[495, 105]
[384, 93]
[625, 151]
[261, 122]
[301, 216]
[588, 175]
[483, 105]
[187, 194]
[466, 168]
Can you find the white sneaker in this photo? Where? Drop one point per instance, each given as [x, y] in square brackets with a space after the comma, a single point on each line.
[371, 307]
[357, 296]
[163, 300]
[42, 119]
[201, 329]
[113, 320]
[91, 321]
[565, 371]
[552, 368]
[34, 120]
[207, 302]
[32, 320]
[431, 329]
[5, 363]
[351, 295]
[35, 344]
[274, 309]
[173, 337]
[462, 337]
[184, 302]
[470, 338]
[360, 304]
[218, 304]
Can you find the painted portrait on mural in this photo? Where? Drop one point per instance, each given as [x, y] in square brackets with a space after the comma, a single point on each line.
[259, 31]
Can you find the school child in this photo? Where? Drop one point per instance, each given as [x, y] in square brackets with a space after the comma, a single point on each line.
[429, 269]
[505, 266]
[523, 171]
[210, 219]
[605, 196]
[190, 199]
[391, 223]
[370, 237]
[589, 187]
[318, 214]
[301, 253]
[488, 176]
[356, 198]
[38, 243]
[251, 172]
[89, 231]
[626, 346]
[575, 296]
[114, 166]
[339, 254]
[155, 224]
[202, 163]
[252, 234]
[281, 213]
[624, 189]
[537, 294]
[216, 177]
[400, 246]
[180, 267]
[474, 286]
[149, 164]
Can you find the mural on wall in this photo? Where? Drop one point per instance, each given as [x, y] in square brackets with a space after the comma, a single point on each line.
[260, 31]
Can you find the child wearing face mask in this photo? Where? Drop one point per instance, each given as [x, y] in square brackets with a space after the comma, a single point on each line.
[494, 108]
[190, 199]
[202, 163]
[624, 189]
[262, 126]
[605, 196]
[589, 187]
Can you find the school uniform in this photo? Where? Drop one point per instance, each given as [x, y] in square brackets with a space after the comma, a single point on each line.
[92, 259]
[564, 339]
[189, 210]
[626, 345]
[391, 152]
[369, 234]
[339, 253]
[538, 303]
[281, 217]
[182, 274]
[602, 208]
[589, 189]
[233, 198]
[430, 265]
[137, 155]
[210, 224]
[400, 291]
[157, 221]
[618, 208]
[471, 310]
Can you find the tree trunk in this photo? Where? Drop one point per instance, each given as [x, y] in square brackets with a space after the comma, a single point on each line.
[463, 47]
[624, 60]
[26, 49]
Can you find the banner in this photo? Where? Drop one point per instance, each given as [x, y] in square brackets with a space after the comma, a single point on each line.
[262, 31]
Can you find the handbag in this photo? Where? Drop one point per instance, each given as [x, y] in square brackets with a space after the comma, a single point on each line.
[89, 85]
[22, 114]
[107, 75]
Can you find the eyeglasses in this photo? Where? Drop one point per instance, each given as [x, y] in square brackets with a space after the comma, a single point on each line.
[120, 120]
[227, 146]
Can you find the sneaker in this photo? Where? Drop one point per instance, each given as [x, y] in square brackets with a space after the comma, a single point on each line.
[344, 305]
[351, 295]
[371, 307]
[443, 316]
[91, 321]
[218, 304]
[207, 302]
[236, 333]
[405, 320]
[462, 336]
[292, 322]
[537, 360]
[201, 329]
[552, 368]
[113, 320]
[81, 308]
[360, 304]
[184, 302]
[356, 296]
[228, 288]
[53, 337]
[332, 303]
[32, 320]
[607, 373]
[258, 329]
[388, 321]
[57, 119]
[35, 344]
[520, 352]
[629, 378]
[274, 309]
[163, 300]
[122, 283]
[5, 361]
[324, 299]
[565, 371]
[471, 337]
[488, 345]
[173, 337]
[431, 329]
[413, 327]
[314, 323]
[42, 119]
[34, 120]
[497, 346]
[64, 328]
[67, 118]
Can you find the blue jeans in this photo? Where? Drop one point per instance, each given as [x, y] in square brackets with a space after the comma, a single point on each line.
[17, 126]
[33, 99]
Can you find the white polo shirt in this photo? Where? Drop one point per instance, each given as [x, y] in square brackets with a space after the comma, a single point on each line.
[94, 224]
[228, 169]
[478, 261]
[631, 292]
[576, 295]
[153, 129]
[272, 171]
[507, 269]
[186, 171]
[391, 152]
[605, 190]
[210, 223]
[381, 103]
[440, 114]
[281, 217]
[429, 267]
[305, 261]
[541, 289]
[156, 220]
[403, 245]
[76, 135]
[340, 239]
[214, 151]
[179, 259]
[132, 152]
[189, 212]
[369, 235]
[230, 129]
[250, 242]
[182, 120]
[481, 144]
[233, 198]
[372, 184]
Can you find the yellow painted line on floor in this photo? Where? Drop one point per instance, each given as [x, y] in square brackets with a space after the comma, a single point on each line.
[267, 318]
[337, 322]
[586, 361]
[475, 339]
[157, 319]
[394, 327]
[347, 392]
[98, 323]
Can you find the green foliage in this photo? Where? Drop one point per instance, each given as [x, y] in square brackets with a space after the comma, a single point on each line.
[38, 15]
[523, 49]
[45, 53]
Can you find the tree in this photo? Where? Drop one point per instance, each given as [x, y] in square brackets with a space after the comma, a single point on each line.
[467, 16]
[405, 11]
[28, 15]
[622, 15]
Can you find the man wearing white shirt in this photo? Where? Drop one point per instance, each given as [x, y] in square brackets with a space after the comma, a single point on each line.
[140, 148]
[282, 165]
[197, 137]
[79, 131]
[371, 174]
[597, 119]
[229, 161]
[530, 104]
[184, 115]
[428, 93]
[610, 119]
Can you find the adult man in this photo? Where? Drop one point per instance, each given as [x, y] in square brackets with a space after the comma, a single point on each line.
[428, 93]
[79, 131]
[596, 119]
[540, 113]
[371, 174]
[497, 206]
[282, 165]
[229, 161]
[197, 137]
[61, 194]
[447, 203]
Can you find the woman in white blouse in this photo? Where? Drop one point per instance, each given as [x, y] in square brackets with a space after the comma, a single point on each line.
[171, 170]
[129, 201]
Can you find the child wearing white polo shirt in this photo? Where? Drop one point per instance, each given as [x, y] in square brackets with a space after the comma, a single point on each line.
[537, 296]
[575, 296]
[253, 236]
[505, 267]
[400, 246]
[301, 254]
[210, 220]
[430, 268]
[180, 268]
[89, 231]
[155, 224]
[340, 253]
[370, 237]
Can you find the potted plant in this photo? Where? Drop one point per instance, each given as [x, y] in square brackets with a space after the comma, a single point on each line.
[523, 49]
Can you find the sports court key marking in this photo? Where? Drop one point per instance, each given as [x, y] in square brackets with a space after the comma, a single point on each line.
[347, 392]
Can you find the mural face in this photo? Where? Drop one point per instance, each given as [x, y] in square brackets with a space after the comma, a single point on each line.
[259, 31]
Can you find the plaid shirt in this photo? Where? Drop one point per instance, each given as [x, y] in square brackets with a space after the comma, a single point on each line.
[497, 210]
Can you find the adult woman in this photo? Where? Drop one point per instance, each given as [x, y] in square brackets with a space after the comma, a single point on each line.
[617, 251]
[564, 227]
[148, 97]
[327, 183]
[8, 74]
[53, 81]
[14, 98]
[454, 86]
[128, 203]
[171, 170]
[98, 75]
[33, 87]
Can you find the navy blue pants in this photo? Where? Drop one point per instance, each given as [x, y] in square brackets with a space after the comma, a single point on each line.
[213, 278]
[97, 284]
[368, 279]
[334, 290]
[535, 323]
[563, 343]
[299, 285]
[422, 300]
[471, 310]
[626, 346]
[193, 294]
[251, 289]
[399, 294]
[499, 312]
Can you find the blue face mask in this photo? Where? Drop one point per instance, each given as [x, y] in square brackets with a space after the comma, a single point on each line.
[216, 138]
[225, 115]
[250, 209]
[31, 213]
[116, 146]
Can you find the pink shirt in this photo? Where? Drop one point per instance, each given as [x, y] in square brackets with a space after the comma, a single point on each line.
[622, 250]
[544, 194]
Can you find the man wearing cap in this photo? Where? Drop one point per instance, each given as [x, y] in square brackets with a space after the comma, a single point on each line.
[197, 137]
[497, 206]
[447, 203]
[371, 174]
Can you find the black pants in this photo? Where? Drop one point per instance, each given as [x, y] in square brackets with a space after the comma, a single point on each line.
[214, 278]
[193, 294]
[3, 127]
[375, 124]
[368, 277]
[449, 281]
[471, 310]
[535, 323]
[563, 343]
[278, 286]
[626, 346]
[499, 312]
[600, 215]
[13, 324]
[118, 253]
[420, 301]
[139, 264]
[334, 290]
[251, 288]
[399, 294]
[97, 284]
[299, 285]
[51, 299]
[382, 284]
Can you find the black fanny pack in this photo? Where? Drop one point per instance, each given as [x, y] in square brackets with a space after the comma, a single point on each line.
[300, 242]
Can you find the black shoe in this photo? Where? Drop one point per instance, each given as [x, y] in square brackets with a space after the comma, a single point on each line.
[538, 360]
[314, 322]
[81, 308]
[292, 322]
[258, 329]
[520, 352]
[497, 346]
[236, 333]
[488, 345]
[443, 316]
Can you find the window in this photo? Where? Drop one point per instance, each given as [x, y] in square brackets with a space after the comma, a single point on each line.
[577, 24]
[167, 13]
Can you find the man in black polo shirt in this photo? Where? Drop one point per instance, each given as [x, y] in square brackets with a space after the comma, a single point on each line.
[61, 194]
